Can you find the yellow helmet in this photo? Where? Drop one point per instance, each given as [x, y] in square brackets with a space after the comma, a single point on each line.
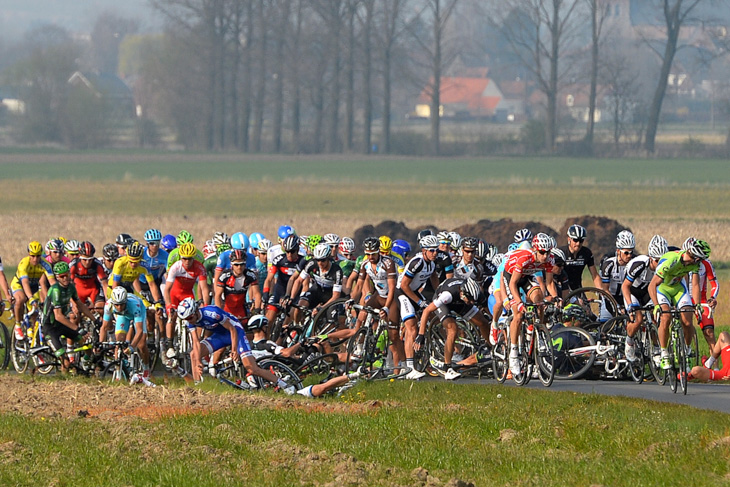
[35, 248]
[386, 244]
[187, 250]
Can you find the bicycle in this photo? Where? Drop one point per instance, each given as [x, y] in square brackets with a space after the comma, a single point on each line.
[678, 353]
[535, 350]
[5, 340]
[468, 342]
[368, 350]
[124, 366]
[600, 305]
[20, 350]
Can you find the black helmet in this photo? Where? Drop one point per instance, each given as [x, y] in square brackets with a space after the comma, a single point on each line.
[290, 244]
[110, 251]
[371, 245]
[124, 239]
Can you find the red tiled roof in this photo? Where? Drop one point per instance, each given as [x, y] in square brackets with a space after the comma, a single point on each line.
[465, 91]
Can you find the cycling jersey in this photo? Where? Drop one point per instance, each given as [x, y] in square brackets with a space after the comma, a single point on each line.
[613, 274]
[575, 264]
[181, 281]
[32, 273]
[87, 280]
[123, 274]
[331, 279]
[347, 266]
[475, 270]
[174, 256]
[134, 311]
[524, 262]
[379, 273]
[639, 273]
[224, 261]
[1, 265]
[210, 264]
[235, 289]
[419, 270]
[63, 258]
[707, 275]
[725, 359]
[156, 265]
[212, 319]
[671, 269]
[448, 298]
[283, 268]
[59, 297]
[261, 270]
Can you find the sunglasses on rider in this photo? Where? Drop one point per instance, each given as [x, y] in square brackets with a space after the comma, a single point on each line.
[578, 240]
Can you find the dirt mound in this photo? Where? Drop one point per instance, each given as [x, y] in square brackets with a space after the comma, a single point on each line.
[502, 232]
[395, 230]
[600, 234]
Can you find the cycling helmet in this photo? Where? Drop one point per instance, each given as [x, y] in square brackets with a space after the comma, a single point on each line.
[254, 239]
[443, 237]
[62, 239]
[208, 249]
[124, 239]
[347, 245]
[470, 243]
[119, 295]
[429, 242]
[55, 245]
[313, 241]
[35, 248]
[134, 251]
[285, 231]
[184, 237]
[237, 255]
[513, 246]
[187, 251]
[386, 244]
[470, 289]
[625, 240]
[220, 238]
[239, 240]
[257, 322]
[72, 247]
[321, 252]
[522, 235]
[481, 249]
[222, 248]
[152, 235]
[576, 232]
[264, 245]
[168, 242]
[187, 308]
[697, 248]
[558, 256]
[371, 245]
[543, 241]
[290, 244]
[491, 252]
[401, 247]
[87, 249]
[60, 268]
[110, 251]
[423, 233]
[455, 241]
[498, 259]
[331, 239]
[574, 312]
[657, 246]
[302, 240]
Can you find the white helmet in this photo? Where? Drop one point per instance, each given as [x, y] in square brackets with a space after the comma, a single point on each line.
[187, 308]
[470, 289]
[576, 232]
[264, 245]
[429, 242]
[347, 245]
[523, 234]
[219, 238]
[625, 240]
[321, 251]
[498, 259]
[73, 247]
[119, 295]
[657, 246]
[331, 239]
[455, 241]
[543, 241]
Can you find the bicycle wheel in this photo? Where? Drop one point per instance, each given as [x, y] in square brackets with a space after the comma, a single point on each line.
[672, 348]
[356, 350]
[681, 360]
[599, 304]
[153, 346]
[5, 345]
[20, 354]
[465, 345]
[116, 372]
[500, 358]
[652, 353]
[319, 369]
[523, 378]
[277, 324]
[543, 355]
[330, 318]
[574, 352]
[44, 362]
[638, 366]
[281, 371]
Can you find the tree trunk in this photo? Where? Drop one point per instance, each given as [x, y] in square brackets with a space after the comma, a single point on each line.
[279, 82]
[367, 76]
[261, 82]
[436, 73]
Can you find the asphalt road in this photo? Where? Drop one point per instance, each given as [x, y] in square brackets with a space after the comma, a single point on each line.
[710, 396]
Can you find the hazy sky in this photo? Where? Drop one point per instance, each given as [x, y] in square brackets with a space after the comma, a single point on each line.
[78, 16]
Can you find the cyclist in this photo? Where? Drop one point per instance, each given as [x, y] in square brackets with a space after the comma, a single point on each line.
[639, 273]
[418, 271]
[239, 241]
[181, 279]
[578, 257]
[110, 254]
[707, 322]
[324, 280]
[668, 288]
[278, 283]
[225, 331]
[234, 284]
[460, 296]
[168, 243]
[154, 259]
[126, 272]
[465, 263]
[720, 350]
[444, 266]
[400, 253]
[182, 238]
[520, 268]
[58, 319]
[276, 250]
[56, 250]
[613, 268]
[87, 274]
[560, 277]
[523, 235]
[33, 275]
[127, 309]
[262, 259]
[123, 241]
[72, 248]
[5, 288]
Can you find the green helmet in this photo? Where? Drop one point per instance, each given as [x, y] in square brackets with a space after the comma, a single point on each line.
[184, 237]
[574, 312]
[222, 248]
[313, 241]
[60, 268]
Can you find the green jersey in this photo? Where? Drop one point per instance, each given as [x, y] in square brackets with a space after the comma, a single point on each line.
[58, 297]
[671, 268]
[209, 265]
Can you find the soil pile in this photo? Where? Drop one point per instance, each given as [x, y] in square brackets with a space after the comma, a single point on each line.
[502, 232]
[600, 234]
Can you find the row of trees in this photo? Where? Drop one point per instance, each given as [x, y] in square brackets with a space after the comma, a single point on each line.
[315, 75]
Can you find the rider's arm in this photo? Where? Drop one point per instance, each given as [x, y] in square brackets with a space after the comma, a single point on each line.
[405, 286]
[594, 275]
[425, 317]
[84, 309]
[226, 323]
[695, 277]
[626, 292]
[550, 283]
[652, 289]
[204, 289]
[514, 290]
[255, 294]
[218, 298]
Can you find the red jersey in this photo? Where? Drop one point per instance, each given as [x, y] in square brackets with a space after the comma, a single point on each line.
[523, 261]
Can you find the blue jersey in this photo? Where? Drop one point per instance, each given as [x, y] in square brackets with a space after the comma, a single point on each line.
[212, 317]
[135, 311]
[262, 271]
[155, 265]
[224, 261]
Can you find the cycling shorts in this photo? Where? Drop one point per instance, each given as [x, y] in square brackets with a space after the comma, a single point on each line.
[466, 311]
[407, 306]
[316, 296]
[54, 332]
[675, 295]
[122, 324]
[725, 358]
[526, 283]
[220, 338]
[93, 294]
[176, 296]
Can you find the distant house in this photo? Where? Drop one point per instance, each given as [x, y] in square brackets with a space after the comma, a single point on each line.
[109, 88]
[462, 97]
[10, 101]
[513, 105]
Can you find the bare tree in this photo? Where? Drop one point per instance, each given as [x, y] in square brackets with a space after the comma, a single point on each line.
[281, 39]
[367, 89]
[598, 10]
[262, 19]
[107, 34]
